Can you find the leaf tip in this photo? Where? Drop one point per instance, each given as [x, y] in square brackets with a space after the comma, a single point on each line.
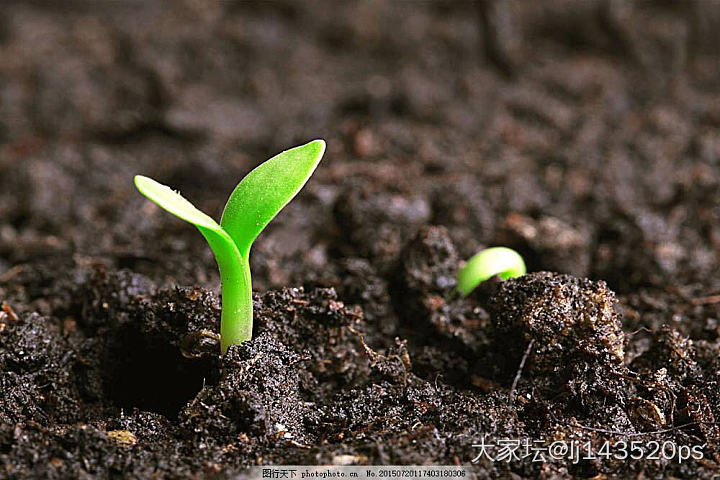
[316, 147]
[141, 182]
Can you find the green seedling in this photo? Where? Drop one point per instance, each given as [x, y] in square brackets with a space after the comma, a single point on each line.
[501, 261]
[256, 200]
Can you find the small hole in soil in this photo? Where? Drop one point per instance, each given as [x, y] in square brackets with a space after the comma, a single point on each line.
[150, 374]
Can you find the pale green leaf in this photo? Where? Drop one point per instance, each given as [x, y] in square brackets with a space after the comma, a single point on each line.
[173, 202]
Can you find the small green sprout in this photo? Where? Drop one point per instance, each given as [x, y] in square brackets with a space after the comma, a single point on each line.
[256, 200]
[501, 261]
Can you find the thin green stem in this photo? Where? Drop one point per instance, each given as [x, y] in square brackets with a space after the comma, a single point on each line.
[236, 322]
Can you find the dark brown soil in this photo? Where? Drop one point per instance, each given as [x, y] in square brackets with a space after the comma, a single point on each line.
[584, 135]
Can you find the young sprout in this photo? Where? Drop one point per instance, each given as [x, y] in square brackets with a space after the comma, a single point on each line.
[256, 200]
[501, 261]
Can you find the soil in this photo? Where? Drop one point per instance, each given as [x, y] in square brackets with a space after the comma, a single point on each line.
[584, 135]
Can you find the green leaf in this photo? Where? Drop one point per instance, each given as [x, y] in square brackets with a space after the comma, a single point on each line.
[173, 202]
[261, 195]
[222, 245]
[501, 261]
